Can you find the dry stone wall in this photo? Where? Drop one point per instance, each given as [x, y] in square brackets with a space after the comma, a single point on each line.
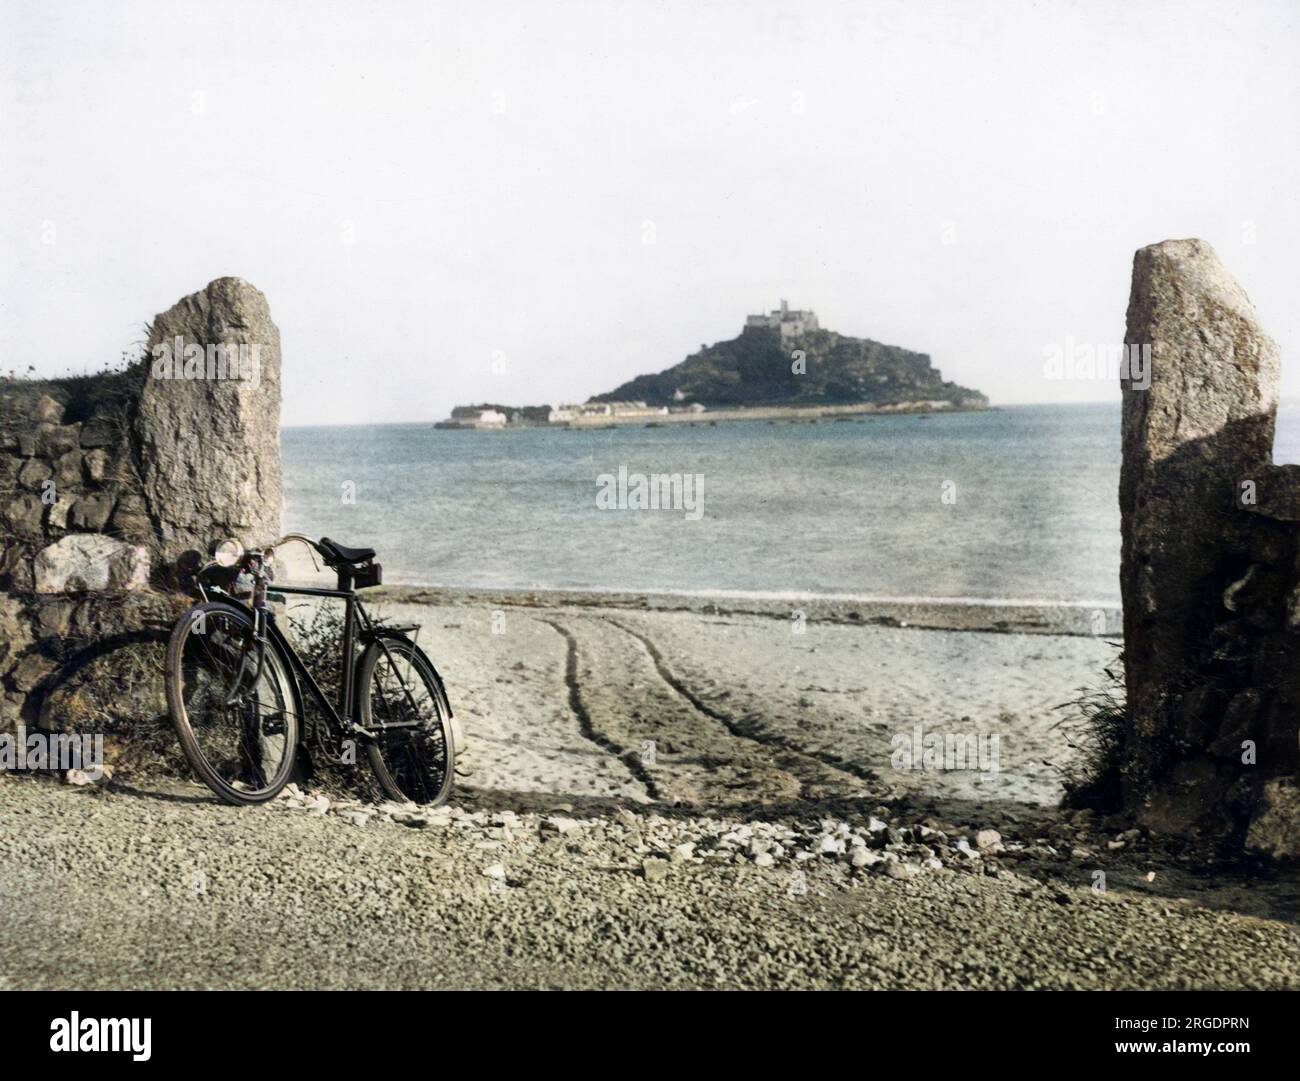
[105, 479]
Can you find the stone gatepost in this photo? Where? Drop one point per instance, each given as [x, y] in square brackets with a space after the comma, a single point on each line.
[1209, 575]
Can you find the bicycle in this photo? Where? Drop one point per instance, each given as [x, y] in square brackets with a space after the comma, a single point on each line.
[234, 682]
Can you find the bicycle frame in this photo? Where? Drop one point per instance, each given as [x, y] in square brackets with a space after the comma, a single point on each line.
[357, 625]
[355, 621]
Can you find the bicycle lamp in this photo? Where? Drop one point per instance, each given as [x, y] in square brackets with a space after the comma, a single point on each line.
[228, 553]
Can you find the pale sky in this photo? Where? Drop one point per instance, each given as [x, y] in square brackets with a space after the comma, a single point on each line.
[532, 202]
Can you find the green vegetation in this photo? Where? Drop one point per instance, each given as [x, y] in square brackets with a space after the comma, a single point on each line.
[757, 369]
[1095, 727]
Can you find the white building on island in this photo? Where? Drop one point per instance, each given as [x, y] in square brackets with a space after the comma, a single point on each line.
[791, 322]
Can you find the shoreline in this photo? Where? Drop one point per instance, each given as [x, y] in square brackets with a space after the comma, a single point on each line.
[1087, 619]
[790, 414]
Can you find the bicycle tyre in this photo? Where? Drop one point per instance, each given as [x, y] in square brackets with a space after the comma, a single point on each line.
[284, 705]
[411, 764]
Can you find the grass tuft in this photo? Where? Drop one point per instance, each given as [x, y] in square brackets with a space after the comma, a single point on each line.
[1095, 726]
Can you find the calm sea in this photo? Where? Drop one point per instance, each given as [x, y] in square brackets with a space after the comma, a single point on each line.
[1016, 503]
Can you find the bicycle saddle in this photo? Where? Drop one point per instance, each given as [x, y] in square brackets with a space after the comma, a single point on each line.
[339, 553]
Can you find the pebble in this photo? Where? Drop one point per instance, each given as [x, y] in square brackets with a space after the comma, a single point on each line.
[654, 870]
[654, 843]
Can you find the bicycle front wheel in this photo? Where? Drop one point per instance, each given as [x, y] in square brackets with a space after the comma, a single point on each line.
[404, 710]
[238, 726]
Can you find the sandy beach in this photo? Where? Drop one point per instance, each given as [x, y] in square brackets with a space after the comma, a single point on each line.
[716, 707]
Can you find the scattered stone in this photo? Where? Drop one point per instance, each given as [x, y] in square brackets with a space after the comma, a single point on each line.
[654, 870]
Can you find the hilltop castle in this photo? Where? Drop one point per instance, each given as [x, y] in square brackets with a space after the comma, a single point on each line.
[791, 324]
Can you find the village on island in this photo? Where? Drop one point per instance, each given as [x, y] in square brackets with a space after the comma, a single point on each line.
[789, 340]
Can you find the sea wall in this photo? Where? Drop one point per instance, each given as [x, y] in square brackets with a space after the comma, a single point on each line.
[1210, 566]
[105, 479]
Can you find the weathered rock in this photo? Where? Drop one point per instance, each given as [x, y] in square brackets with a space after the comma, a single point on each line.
[98, 432]
[31, 670]
[130, 518]
[67, 470]
[15, 635]
[1202, 427]
[53, 617]
[210, 446]
[655, 869]
[23, 513]
[1275, 829]
[48, 411]
[91, 512]
[55, 439]
[34, 473]
[96, 464]
[88, 562]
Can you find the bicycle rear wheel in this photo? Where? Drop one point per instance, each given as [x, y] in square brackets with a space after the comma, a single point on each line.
[403, 706]
[238, 727]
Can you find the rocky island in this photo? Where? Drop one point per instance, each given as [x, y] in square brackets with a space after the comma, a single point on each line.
[782, 365]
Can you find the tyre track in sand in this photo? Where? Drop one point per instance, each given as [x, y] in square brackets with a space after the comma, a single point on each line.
[812, 765]
[682, 755]
[624, 755]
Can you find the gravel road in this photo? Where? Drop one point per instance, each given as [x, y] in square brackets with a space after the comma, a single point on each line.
[110, 888]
